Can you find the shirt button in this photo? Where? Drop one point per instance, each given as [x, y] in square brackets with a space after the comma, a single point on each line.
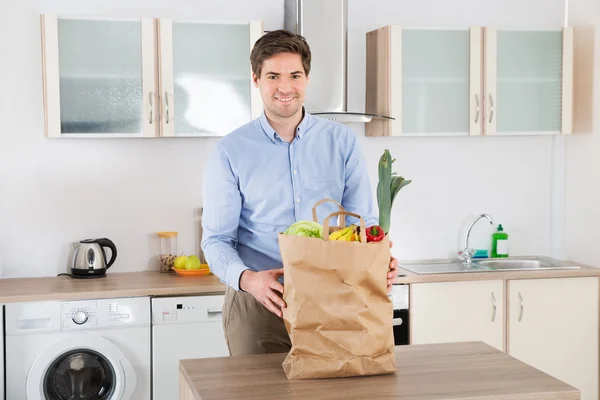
[295, 173]
[297, 200]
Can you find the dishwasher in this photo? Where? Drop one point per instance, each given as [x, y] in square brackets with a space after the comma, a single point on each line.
[183, 327]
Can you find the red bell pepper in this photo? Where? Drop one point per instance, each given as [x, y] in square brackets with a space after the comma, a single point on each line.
[375, 234]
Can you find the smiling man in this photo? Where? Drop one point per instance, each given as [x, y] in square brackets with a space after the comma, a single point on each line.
[265, 176]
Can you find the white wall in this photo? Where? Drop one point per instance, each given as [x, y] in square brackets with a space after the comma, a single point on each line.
[582, 228]
[53, 192]
[454, 179]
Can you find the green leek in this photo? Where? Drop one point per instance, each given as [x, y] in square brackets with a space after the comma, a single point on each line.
[387, 188]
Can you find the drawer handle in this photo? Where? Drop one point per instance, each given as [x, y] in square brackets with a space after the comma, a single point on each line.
[167, 106]
[150, 106]
[522, 307]
[494, 304]
[213, 311]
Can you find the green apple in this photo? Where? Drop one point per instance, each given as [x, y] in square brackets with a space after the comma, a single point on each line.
[192, 262]
[180, 262]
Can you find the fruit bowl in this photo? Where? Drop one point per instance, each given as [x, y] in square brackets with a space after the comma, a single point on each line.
[192, 272]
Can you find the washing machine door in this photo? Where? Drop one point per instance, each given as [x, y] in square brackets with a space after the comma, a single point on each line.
[81, 367]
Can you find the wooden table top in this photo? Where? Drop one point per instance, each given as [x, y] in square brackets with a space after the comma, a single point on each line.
[472, 370]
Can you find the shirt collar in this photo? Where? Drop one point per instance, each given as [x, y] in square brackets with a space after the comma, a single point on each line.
[273, 136]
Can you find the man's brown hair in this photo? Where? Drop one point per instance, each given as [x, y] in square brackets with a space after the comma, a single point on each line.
[279, 41]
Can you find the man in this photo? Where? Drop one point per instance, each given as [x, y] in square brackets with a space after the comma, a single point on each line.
[267, 175]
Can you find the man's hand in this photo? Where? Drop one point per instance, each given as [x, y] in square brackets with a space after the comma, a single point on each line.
[264, 287]
[392, 273]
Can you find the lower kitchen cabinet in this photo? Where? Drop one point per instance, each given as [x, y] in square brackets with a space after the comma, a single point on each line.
[553, 326]
[458, 312]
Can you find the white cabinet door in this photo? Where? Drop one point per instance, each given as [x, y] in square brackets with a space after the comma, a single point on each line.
[553, 326]
[528, 81]
[183, 328]
[206, 79]
[457, 312]
[99, 77]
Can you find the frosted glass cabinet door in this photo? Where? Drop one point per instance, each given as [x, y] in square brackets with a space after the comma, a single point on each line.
[436, 82]
[98, 77]
[427, 80]
[526, 85]
[206, 77]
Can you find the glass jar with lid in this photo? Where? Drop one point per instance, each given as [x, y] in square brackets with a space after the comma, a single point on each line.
[167, 245]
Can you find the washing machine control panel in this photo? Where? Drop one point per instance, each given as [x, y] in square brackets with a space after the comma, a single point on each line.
[79, 314]
[103, 313]
[80, 317]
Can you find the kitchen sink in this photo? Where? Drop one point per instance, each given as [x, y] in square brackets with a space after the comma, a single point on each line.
[523, 264]
[486, 265]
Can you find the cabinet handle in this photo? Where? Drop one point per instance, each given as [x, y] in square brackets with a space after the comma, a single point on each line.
[150, 105]
[212, 311]
[522, 307]
[494, 304]
[477, 102]
[491, 108]
[167, 107]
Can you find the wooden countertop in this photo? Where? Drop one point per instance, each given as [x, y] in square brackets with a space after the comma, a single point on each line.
[126, 284]
[472, 370]
[148, 283]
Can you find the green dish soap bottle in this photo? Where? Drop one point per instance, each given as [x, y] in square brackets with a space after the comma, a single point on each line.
[499, 243]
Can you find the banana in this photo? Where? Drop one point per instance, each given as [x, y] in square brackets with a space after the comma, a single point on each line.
[339, 233]
[347, 236]
[334, 235]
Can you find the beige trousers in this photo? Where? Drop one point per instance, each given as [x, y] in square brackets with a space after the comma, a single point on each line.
[250, 328]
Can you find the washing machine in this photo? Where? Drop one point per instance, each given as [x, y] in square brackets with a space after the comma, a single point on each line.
[76, 350]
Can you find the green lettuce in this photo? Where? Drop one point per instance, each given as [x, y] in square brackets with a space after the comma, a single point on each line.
[305, 228]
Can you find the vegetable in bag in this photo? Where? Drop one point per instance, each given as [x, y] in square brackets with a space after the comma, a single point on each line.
[305, 228]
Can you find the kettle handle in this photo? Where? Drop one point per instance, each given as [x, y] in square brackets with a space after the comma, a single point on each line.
[104, 242]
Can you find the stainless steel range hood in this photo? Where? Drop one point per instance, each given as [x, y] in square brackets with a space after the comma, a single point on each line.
[324, 24]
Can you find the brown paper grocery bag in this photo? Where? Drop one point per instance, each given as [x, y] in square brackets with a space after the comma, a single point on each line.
[338, 315]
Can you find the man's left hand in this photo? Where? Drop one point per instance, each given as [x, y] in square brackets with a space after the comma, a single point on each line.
[392, 273]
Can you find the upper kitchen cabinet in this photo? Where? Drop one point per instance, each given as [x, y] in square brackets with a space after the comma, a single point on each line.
[205, 77]
[477, 81]
[528, 81]
[428, 80]
[99, 77]
[147, 77]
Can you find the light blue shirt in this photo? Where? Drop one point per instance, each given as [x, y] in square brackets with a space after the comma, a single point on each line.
[256, 185]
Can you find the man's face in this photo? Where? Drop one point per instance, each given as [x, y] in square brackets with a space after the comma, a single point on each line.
[282, 84]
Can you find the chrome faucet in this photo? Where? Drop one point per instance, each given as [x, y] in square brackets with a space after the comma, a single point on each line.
[466, 255]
